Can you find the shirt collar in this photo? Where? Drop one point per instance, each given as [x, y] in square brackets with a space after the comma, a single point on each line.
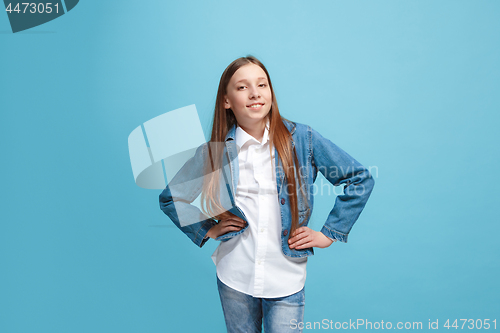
[289, 124]
[243, 137]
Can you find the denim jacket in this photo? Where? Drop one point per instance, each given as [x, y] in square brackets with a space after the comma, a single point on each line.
[314, 152]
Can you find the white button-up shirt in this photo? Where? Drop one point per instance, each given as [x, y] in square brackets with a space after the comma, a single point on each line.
[253, 262]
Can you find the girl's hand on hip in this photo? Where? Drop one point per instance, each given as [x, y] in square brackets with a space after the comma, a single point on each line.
[305, 237]
[226, 225]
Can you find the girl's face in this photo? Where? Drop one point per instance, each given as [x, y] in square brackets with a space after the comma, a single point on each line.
[249, 96]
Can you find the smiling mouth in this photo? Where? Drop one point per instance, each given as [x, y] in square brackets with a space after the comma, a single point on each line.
[255, 106]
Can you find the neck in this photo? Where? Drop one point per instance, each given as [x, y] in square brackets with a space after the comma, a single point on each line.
[255, 130]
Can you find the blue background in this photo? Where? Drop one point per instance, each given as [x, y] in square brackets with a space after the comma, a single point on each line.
[409, 87]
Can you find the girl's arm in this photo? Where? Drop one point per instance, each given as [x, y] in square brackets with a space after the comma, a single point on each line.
[339, 168]
[181, 191]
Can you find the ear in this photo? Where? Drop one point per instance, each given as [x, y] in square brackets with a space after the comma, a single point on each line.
[227, 104]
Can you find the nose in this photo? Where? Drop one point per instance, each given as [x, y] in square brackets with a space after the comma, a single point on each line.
[254, 92]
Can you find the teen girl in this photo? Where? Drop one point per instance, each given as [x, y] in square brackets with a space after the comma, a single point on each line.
[255, 177]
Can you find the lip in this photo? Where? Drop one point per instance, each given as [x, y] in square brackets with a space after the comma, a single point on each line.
[258, 108]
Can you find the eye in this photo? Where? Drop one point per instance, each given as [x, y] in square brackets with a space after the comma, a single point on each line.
[239, 88]
[263, 85]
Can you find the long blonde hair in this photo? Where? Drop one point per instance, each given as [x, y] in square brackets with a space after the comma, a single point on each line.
[279, 136]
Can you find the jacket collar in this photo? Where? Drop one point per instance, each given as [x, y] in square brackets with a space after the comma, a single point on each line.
[290, 125]
[232, 131]
[231, 134]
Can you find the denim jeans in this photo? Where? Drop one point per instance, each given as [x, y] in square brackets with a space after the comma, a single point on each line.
[245, 314]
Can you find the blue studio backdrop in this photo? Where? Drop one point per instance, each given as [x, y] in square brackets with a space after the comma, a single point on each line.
[409, 88]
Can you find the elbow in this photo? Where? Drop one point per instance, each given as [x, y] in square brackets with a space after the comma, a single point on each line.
[364, 183]
[368, 182]
[165, 199]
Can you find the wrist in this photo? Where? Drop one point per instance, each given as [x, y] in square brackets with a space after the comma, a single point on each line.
[331, 240]
[210, 231]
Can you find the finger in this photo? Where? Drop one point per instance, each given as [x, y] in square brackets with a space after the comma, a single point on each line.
[233, 222]
[224, 230]
[301, 241]
[304, 242]
[236, 218]
[305, 245]
[237, 221]
[300, 230]
[240, 222]
[230, 228]
[299, 236]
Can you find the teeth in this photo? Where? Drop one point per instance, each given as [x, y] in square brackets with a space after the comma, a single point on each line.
[255, 106]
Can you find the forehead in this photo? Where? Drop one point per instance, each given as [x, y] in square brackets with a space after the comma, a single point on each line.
[248, 72]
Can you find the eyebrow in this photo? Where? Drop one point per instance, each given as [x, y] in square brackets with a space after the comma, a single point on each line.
[246, 79]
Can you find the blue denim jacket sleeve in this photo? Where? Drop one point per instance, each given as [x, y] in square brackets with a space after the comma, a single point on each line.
[339, 168]
[177, 197]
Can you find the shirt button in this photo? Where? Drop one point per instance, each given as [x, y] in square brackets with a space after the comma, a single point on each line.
[285, 232]
[258, 262]
[261, 229]
[282, 201]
